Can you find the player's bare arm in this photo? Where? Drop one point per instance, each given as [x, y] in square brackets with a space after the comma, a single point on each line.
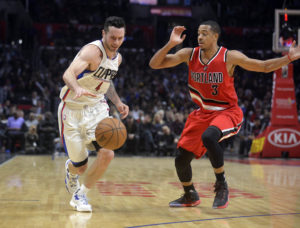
[238, 58]
[162, 59]
[115, 99]
[84, 60]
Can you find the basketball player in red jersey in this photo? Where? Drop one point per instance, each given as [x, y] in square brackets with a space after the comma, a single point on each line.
[211, 86]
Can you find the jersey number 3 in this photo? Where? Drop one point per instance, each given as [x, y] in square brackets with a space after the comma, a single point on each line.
[215, 90]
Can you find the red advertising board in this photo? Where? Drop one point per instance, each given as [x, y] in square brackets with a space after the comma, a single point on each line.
[284, 106]
[282, 137]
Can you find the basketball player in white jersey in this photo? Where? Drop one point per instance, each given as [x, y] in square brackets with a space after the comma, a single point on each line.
[83, 105]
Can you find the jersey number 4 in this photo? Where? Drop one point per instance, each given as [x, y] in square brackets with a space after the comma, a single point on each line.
[215, 90]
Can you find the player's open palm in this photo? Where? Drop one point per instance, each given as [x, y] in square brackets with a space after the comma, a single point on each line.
[82, 92]
[176, 35]
[294, 52]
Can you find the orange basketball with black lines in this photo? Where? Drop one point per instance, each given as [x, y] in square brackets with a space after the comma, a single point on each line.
[111, 133]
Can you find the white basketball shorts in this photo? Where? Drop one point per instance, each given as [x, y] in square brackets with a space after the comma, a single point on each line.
[77, 126]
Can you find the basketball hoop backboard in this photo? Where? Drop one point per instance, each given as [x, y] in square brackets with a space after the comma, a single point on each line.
[285, 31]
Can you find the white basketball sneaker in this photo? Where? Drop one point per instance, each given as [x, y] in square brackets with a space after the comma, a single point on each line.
[71, 180]
[80, 202]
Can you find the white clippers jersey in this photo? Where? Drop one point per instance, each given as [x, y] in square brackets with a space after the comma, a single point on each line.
[97, 81]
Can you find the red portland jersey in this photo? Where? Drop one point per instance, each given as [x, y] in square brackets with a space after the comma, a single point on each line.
[210, 85]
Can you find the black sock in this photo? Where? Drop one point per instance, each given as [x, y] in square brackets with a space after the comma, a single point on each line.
[189, 188]
[220, 176]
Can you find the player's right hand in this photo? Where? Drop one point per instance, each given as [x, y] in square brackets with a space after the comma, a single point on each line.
[176, 35]
[294, 52]
[82, 92]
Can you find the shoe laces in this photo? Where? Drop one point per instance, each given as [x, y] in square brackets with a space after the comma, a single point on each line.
[187, 196]
[183, 197]
[220, 189]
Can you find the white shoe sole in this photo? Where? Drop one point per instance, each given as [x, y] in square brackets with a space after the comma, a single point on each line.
[79, 209]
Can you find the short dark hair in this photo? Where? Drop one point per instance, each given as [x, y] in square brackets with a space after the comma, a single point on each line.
[114, 21]
[215, 27]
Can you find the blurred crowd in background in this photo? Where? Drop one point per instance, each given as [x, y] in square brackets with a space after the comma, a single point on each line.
[31, 73]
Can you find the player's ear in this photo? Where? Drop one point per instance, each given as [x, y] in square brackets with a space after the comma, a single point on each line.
[103, 33]
[216, 36]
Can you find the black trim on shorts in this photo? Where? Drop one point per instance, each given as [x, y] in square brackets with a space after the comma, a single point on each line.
[96, 145]
[227, 132]
[79, 164]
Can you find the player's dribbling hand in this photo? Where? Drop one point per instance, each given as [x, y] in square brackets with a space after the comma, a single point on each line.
[81, 91]
[176, 35]
[123, 109]
[294, 52]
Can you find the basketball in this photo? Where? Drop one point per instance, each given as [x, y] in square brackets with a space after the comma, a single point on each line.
[111, 133]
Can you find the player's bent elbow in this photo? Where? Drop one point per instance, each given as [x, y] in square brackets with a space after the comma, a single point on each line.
[64, 77]
[152, 66]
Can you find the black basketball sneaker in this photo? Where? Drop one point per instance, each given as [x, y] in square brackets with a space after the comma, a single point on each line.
[188, 199]
[222, 195]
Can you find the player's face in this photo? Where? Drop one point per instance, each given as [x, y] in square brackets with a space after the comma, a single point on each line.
[113, 38]
[206, 37]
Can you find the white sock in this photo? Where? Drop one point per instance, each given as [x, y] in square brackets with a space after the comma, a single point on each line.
[84, 189]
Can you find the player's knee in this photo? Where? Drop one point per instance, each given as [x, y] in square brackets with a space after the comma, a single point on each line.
[211, 135]
[183, 159]
[80, 167]
[106, 155]
[178, 162]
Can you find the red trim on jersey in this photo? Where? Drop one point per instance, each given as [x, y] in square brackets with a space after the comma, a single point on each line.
[66, 94]
[62, 124]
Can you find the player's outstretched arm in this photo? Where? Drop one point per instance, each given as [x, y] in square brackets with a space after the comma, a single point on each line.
[162, 59]
[238, 58]
[78, 65]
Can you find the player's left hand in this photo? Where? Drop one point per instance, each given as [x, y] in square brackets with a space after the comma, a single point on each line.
[123, 109]
[176, 36]
[294, 52]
